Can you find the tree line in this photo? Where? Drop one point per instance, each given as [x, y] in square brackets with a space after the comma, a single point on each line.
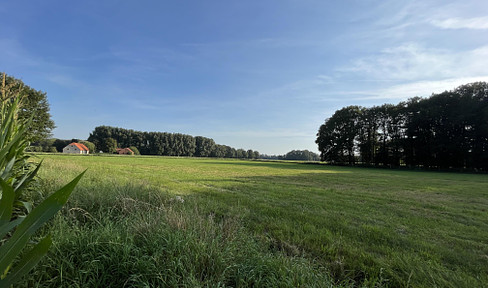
[300, 155]
[445, 131]
[107, 138]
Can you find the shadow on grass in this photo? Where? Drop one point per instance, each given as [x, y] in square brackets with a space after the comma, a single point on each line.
[279, 165]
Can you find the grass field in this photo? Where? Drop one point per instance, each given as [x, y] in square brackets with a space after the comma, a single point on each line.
[262, 224]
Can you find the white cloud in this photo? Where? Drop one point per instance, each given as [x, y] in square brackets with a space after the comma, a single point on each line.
[462, 23]
[419, 88]
[412, 62]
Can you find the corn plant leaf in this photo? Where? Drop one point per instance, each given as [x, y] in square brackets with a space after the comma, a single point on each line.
[6, 203]
[4, 229]
[33, 221]
[8, 169]
[15, 142]
[27, 205]
[27, 178]
[27, 263]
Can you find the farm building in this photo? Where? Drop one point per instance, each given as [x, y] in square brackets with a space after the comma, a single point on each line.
[125, 151]
[76, 148]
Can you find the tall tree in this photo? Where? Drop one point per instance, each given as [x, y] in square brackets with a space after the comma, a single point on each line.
[89, 145]
[337, 136]
[368, 135]
[109, 145]
[33, 104]
[204, 146]
[447, 130]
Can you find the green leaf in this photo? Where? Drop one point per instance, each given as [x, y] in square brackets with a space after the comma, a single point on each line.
[8, 168]
[27, 179]
[6, 203]
[4, 229]
[33, 221]
[28, 262]
[27, 206]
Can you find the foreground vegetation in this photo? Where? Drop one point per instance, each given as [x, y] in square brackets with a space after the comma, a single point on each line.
[157, 221]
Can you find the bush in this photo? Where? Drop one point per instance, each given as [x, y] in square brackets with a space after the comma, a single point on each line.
[135, 150]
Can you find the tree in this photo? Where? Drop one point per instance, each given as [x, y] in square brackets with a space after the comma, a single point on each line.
[250, 154]
[60, 144]
[43, 145]
[302, 155]
[256, 155]
[35, 105]
[241, 153]
[204, 146]
[230, 152]
[109, 145]
[368, 135]
[218, 151]
[445, 131]
[135, 150]
[336, 137]
[89, 145]
[163, 143]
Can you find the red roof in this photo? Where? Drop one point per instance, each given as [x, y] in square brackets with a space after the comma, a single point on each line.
[124, 150]
[80, 146]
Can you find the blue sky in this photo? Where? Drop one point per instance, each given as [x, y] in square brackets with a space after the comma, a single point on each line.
[261, 75]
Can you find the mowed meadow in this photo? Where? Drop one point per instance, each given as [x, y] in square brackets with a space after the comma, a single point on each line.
[194, 222]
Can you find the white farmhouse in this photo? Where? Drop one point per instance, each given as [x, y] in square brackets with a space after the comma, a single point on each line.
[76, 148]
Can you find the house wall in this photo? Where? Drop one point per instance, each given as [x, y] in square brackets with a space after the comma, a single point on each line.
[71, 149]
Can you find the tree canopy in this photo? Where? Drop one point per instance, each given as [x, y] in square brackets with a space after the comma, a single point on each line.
[33, 104]
[446, 130]
[302, 155]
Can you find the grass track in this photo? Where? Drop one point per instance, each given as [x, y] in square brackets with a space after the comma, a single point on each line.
[246, 223]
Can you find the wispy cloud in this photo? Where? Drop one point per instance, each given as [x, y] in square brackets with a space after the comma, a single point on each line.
[462, 23]
[312, 88]
[411, 61]
[418, 88]
[14, 54]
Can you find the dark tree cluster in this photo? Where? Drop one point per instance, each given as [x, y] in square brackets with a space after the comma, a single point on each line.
[445, 131]
[54, 145]
[46, 145]
[108, 138]
[300, 155]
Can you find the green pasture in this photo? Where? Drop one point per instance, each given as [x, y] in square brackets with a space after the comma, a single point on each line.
[188, 222]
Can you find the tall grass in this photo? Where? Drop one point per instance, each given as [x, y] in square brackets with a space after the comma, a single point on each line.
[126, 235]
